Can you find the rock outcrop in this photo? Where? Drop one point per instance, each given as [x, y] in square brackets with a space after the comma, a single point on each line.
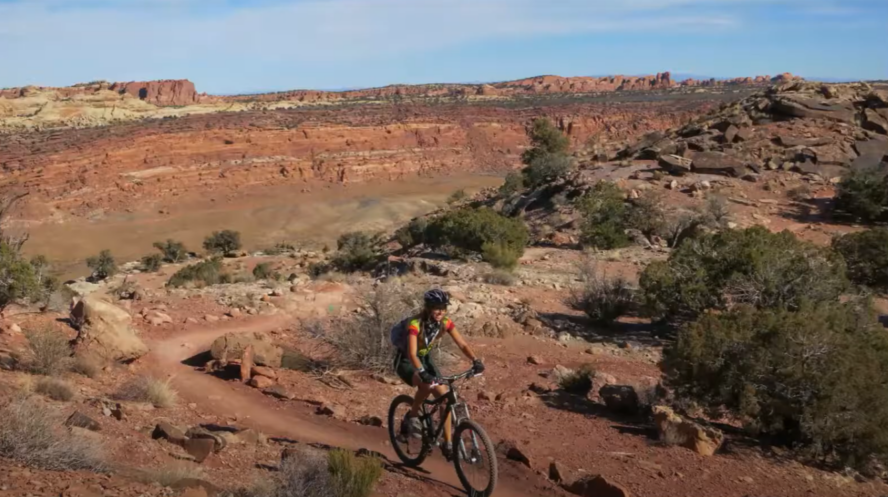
[169, 92]
[231, 347]
[106, 331]
[675, 430]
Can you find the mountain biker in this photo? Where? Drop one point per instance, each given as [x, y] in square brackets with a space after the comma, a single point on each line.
[413, 361]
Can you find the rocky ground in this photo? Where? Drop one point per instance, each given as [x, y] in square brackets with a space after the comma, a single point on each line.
[251, 367]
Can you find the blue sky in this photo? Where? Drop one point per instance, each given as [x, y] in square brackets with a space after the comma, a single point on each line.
[242, 46]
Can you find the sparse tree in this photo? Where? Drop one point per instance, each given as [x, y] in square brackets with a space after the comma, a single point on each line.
[103, 265]
[173, 251]
[223, 242]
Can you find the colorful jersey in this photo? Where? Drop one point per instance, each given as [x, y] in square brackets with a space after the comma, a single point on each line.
[427, 336]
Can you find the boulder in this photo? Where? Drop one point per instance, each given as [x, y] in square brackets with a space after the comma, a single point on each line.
[557, 472]
[510, 450]
[535, 360]
[793, 106]
[252, 437]
[279, 392]
[106, 330]
[81, 420]
[170, 433]
[596, 486]
[718, 163]
[371, 421]
[261, 382]
[264, 371]
[675, 164]
[743, 135]
[870, 161]
[872, 147]
[194, 483]
[199, 448]
[675, 430]
[157, 318]
[620, 398]
[199, 432]
[875, 122]
[335, 411]
[231, 346]
[731, 133]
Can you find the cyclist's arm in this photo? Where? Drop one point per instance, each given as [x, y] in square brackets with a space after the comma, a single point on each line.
[412, 348]
[461, 343]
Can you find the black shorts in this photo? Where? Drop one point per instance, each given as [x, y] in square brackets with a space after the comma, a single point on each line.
[404, 367]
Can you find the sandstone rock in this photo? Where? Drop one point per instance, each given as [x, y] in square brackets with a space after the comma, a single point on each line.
[261, 382]
[596, 486]
[510, 450]
[535, 360]
[189, 483]
[190, 321]
[731, 133]
[199, 432]
[871, 161]
[795, 106]
[211, 319]
[246, 364]
[675, 430]
[106, 331]
[717, 163]
[81, 420]
[14, 329]
[199, 448]
[278, 391]
[232, 346]
[264, 371]
[620, 398]
[484, 396]
[371, 421]
[157, 318]
[557, 472]
[161, 93]
[335, 411]
[250, 436]
[875, 122]
[675, 164]
[743, 135]
[169, 432]
[872, 147]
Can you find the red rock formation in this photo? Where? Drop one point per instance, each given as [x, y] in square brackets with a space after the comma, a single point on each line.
[162, 93]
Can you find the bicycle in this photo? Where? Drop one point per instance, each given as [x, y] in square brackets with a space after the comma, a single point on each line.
[466, 454]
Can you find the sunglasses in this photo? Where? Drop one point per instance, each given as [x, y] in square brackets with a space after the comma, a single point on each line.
[438, 308]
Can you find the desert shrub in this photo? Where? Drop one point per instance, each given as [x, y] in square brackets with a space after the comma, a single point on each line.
[87, 366]
[50, 351]
[714, 213]
[813, 377]
[413, 233]
[362, 341]
[47, 283]
[544, 168]
[352, 476]
[357, 251]
[513, 183]
[866, 256]
[578, 382]
[264, 271]
[297, 361]
[167, 476]
[54, 388]
[863, 194]
[279, 248]
[222, 242]
[500, 255]
[18, 279]
[172, 251]
[204, 273]
[647, 214]
[156, 392]
[457, 196]
[469, 230]
[546, 139]
[800, 193]
[600, 297]
[502, 278]
[318, 269]
[604, 217]
[103, 265]
[32, 434]
[151, 263]
[751, 266]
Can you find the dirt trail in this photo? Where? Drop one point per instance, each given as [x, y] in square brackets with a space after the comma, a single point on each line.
[260, 412]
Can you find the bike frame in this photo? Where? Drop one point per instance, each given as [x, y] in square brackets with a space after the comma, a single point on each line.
[451, 398]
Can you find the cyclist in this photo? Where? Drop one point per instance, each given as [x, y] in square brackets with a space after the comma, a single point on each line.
[415, 338]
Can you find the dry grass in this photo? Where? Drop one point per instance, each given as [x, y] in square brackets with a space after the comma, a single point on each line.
[50, 351]
[150, 390]
[32, 434]
[602, 298]
[578, 382]
[87, 366]
[353, 476]
[502, 278]
[54, 388]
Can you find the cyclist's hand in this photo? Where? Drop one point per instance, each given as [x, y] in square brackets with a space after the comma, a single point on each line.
[426, 377]
[478, 366]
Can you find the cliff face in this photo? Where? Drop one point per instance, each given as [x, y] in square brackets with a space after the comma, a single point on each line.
[161, 93]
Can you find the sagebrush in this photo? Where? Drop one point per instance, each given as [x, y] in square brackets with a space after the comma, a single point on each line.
[601, 297]
[50, 351]
[205, 273]
[157, 392]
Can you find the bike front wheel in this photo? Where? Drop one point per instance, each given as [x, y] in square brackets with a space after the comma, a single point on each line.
[411, 448]
[474, 459]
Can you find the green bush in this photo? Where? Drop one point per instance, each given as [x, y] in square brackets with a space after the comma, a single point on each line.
[204, 273]
[279, 248]
[264, 271]
[222, 242]
[545, 139]
[413, 233]
[513, 183]
[604, 217]
[751, 266]
[544, 168]
[457, 196]
[353, 476]
[814, 377]
[470, 230]
[151, 263]
[866, 255]
[863, 194]
[103, 265]
[357, 251]
[601, 298]
[18, 279]
[500, 255]
[173, 251]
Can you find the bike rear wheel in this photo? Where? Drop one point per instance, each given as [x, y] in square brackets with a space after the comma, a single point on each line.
[474, 459]
[412, 451]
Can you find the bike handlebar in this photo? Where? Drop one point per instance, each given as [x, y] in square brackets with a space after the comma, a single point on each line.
[465, 374]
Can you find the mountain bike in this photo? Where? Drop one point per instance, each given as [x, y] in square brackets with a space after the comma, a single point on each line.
[470, 442]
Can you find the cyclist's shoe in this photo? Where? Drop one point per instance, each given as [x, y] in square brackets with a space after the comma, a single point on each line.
[411, 427]
[447, 450]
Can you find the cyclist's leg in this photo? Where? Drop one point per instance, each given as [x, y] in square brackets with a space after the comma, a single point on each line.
[438, 391]
[410, 376]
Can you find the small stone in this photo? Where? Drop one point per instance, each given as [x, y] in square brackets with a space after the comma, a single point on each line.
[169, 432]
[261, 382]
[264, 371]
[335, 411]
[371, 421]
[557, 472]
[15, 329]
[535, 360]
[484, 396]
[672, 185]
[190, 321]
[596, 486]
[278, 391]
[211, 319]
[513, 453]
[620, 398]
[199, 448]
